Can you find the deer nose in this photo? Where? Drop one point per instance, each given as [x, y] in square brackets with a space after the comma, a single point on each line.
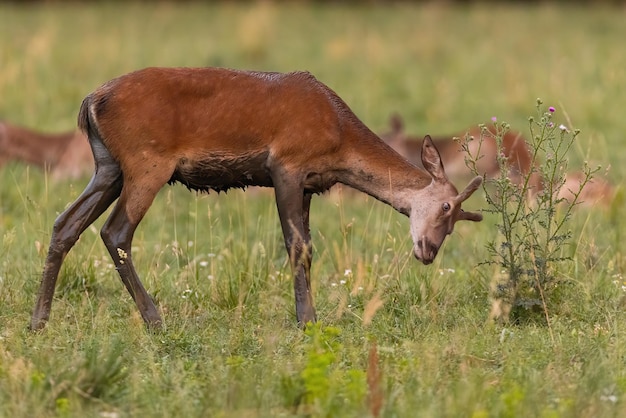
[425, 251]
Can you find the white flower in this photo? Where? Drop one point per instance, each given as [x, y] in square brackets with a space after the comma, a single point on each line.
[609, 398]
[563, 128]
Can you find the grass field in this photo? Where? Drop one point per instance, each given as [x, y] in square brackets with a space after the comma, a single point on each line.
[216, 265]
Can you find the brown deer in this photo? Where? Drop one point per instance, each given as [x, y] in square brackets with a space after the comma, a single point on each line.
[515, 150]
[212, 128]
[595, 191]
[66, 155]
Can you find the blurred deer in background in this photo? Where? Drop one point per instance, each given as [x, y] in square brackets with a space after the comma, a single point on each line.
[597, 190]
[214, 129]
[65, 155]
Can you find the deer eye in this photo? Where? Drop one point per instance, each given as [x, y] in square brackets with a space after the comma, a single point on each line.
[445, 206]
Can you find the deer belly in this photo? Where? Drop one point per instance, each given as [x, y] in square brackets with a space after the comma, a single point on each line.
[223, 171]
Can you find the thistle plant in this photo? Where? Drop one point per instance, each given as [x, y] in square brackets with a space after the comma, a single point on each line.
[532, 212]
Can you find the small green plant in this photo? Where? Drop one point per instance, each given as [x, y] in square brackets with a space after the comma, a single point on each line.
[77, 280]
[101, 374]
[325, 384]
[531, 209]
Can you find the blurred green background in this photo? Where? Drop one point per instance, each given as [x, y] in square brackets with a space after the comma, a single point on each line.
[443, 66]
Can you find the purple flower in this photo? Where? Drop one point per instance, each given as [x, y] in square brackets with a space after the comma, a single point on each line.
[494, 119]
[551, 109]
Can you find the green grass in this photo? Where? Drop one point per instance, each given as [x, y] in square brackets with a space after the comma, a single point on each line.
[216, 263]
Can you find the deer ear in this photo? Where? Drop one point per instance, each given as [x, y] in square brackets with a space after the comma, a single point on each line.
[431, 160]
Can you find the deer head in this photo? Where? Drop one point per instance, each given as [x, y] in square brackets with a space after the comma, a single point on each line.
[437, 207]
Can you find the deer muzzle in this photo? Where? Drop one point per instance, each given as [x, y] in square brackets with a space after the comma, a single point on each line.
[425, 251]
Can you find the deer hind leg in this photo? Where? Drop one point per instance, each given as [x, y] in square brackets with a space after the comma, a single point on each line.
[117, 234]
[104, 187]
[293, 209]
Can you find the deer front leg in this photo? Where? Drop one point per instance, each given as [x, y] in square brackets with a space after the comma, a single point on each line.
[304, 286]
[293, 209]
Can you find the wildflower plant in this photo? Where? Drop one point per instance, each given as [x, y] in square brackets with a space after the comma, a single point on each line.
[532, 213]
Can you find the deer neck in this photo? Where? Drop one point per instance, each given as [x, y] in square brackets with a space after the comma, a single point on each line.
[375, 168]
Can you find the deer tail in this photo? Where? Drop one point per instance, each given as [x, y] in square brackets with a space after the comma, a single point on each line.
[83, 115]
[87, 121]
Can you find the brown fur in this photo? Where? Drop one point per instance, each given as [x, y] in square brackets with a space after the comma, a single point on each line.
[65, 155]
